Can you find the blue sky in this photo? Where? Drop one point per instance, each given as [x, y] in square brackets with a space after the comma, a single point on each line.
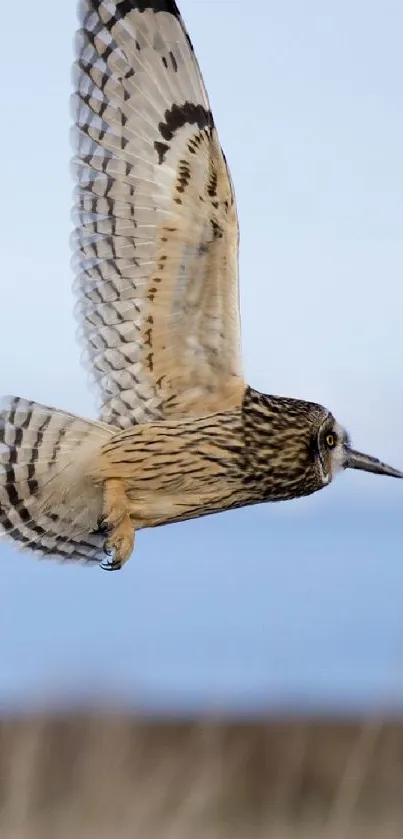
[298, 600]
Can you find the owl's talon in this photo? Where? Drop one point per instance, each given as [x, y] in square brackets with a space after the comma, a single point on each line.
[117, 524]
[102, 528]
[111, 565]
[119, 544]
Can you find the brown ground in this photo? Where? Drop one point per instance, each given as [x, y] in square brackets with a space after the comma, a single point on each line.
[117, 777]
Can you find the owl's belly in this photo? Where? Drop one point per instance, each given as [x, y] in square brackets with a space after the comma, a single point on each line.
[152, 510]
[177, 470]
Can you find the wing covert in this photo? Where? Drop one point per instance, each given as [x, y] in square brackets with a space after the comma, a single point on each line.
[156, 232]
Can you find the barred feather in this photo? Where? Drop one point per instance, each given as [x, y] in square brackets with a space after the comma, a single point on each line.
[48, 501]
[156, 239]
[156, 259]
[156, 253]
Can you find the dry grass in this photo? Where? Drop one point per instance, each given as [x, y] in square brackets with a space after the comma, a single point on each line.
[117, 777]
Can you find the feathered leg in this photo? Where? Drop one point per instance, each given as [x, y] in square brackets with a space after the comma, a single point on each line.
[118, 524]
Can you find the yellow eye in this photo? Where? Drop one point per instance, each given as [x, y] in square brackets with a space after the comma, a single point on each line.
[330, 441]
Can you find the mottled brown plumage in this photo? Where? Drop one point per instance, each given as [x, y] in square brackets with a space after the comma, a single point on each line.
[266, 450]
[156, 260]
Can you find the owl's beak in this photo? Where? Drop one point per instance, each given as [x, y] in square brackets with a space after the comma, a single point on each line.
[356, 460]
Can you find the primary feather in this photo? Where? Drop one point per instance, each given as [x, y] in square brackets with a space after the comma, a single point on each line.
[155, 253]
[156, 258]
[156, 239]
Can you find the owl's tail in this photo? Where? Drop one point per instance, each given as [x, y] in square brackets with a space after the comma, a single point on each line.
[49, 501]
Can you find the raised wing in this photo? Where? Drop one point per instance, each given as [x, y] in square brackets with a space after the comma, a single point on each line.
[156, 238]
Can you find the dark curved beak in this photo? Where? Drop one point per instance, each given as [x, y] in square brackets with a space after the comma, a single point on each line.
[356, 460]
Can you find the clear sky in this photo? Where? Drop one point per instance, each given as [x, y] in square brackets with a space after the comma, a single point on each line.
[307, 99]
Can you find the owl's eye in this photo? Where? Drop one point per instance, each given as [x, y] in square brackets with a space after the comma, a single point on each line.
[330, 440]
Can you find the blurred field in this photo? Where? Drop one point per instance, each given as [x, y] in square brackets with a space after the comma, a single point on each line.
[112, 776]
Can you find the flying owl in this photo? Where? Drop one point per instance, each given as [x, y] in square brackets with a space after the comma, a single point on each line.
[180, 433]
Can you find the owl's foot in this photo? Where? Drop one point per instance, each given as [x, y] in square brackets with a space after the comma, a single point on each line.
[119, 544]
[116, 522]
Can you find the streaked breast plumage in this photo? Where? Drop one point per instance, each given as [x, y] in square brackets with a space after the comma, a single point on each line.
[180, 433]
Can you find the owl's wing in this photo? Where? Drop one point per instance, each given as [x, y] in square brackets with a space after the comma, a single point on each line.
[156, 238]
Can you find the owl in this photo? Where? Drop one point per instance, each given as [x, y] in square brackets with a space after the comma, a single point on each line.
[180, 433]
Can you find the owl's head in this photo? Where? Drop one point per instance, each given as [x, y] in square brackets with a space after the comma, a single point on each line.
[332, 452]
[296, 447]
